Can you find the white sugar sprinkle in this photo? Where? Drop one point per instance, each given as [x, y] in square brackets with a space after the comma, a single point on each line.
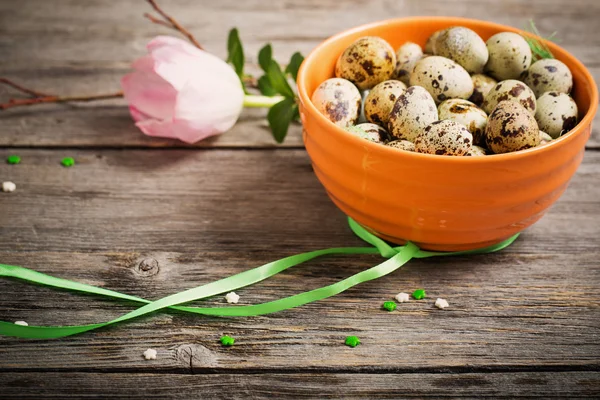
[232, 297]
[22, 323]
[402, 297]
[150, 354]
[441, 303]
[8, 186]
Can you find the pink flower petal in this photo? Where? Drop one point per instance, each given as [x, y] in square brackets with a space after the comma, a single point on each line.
[150, 94]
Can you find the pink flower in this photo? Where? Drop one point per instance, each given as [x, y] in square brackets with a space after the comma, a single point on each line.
[180, 91]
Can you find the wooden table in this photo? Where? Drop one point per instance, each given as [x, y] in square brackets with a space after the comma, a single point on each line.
[522, 322]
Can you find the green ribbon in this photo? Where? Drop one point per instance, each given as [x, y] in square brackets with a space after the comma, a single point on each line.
[396, 258]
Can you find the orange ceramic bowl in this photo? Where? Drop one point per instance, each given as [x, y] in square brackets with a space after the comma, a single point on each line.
[438, 202]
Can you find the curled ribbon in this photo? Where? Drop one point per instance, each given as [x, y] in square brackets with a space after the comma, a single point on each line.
[396, 258]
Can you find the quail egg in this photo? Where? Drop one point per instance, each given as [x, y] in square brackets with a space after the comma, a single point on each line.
[366, 62]
[476, 151]
[430, 45]
[548, 75]
[444, 138]
[443, 78]
[406, 57]
[412, 112]
[511, 127]
[338, 100]
[509, 56]
[556, 113]
[511, 90]
[544, 138]
[402, 145]
[371, 132]
[381, 99]
[463, 46]
[466, 113]
[482, 84]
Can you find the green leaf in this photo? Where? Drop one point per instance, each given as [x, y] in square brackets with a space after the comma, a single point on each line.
[265, 55]
[279, 81]
[280, 116]
[294, 64]
[235, 52]
[265, 87]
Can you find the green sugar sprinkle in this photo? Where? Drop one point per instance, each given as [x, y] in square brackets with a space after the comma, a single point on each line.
[389, 305]
[68, 162]
[419, 294]
[352, 341]
[13, 159]
[227, 340]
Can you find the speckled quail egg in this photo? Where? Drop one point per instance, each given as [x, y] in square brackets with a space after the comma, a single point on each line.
[511, 127]
[556, 113]
[544, 138]
[366, 62]
[338, 100]
[406, 57]
[466, 113]
[412, 112]
[548, 75]
[380, 101]
[476, 151]
[371, 132]
[463, 46]
[511, 90]
[510, 55]
[447, 138]
[402, 145]
[443, 78]
[482, 84]
[430, 44]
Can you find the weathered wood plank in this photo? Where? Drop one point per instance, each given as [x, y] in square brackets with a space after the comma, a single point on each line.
[208, 214]
[89, 47]
[318, 386]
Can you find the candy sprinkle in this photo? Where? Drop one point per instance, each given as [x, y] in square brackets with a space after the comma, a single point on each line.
[13, 159]
[68, 162]
[227, 340]
[419, 294]
[352, 341]
[389, 306]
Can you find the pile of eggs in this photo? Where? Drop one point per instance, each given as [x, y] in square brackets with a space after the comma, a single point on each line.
[461, 96]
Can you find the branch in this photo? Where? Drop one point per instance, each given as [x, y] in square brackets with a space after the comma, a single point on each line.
[174, 24]
[155, 20]
[56, 99]
[22, 89]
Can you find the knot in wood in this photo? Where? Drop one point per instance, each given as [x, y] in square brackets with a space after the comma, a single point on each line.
[148, 267]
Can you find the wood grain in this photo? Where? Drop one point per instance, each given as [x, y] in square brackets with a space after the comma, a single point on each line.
[86, 47]
[207, 214]
[306, 386]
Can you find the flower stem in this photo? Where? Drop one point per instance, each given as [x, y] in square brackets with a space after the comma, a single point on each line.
[261, 101]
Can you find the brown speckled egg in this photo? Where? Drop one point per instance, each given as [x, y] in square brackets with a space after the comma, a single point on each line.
[371, 132]
[443, 78]
[476, 151]
[482, 84]
[366, 62]
[544, 138]
[548, 75]
[381, 99]
[430, 45]
[556, 113]
[406, 57]
[511, 127]
[338, 100]
[413, 111]
[446, 138]
[402, 145]
[511, 90]
[466, 113]
[463, 46]
[510, 55]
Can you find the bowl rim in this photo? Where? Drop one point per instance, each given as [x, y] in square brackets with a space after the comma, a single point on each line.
[340, 133]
